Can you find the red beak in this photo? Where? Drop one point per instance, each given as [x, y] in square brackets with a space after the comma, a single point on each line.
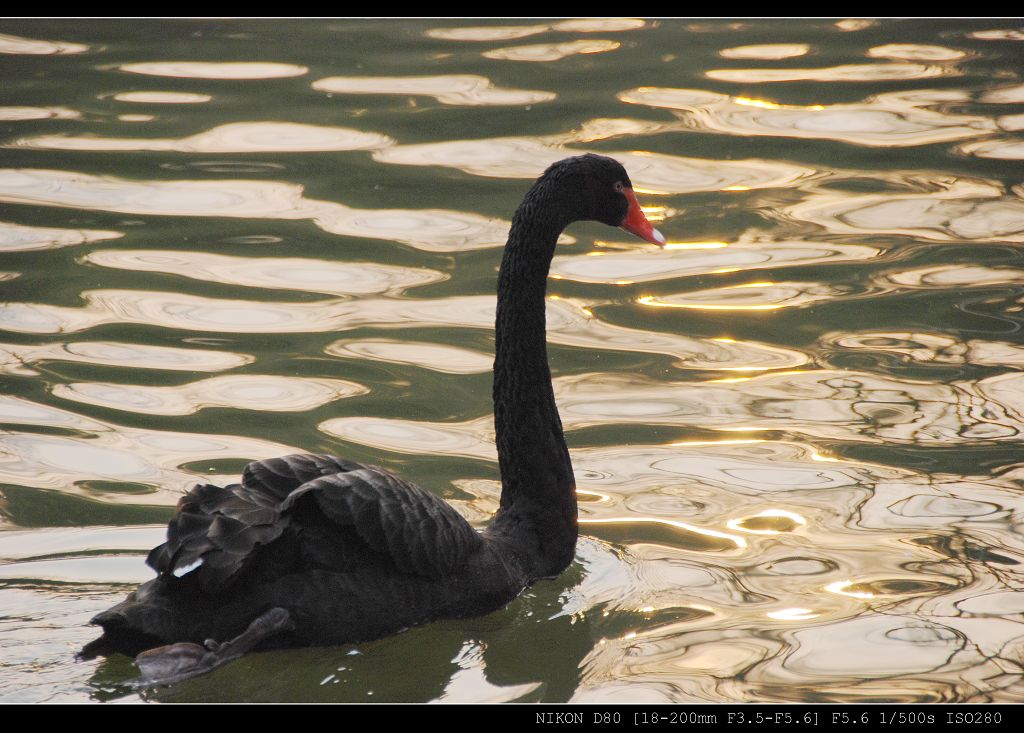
[636, 223]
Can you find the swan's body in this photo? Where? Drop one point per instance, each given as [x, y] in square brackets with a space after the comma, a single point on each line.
[316, 550]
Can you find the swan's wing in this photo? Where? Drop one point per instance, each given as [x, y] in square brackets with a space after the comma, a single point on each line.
[218, 532]
[421, 533]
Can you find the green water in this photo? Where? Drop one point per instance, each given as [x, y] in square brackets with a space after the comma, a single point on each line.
[796, 431]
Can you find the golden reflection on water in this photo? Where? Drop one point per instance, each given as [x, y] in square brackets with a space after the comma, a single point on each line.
[960, 209]
[855, 24]
[836, 405]
[844, 73]
[680, 259]
[17, 238]
[756, 296]
[237, 71]
[470, 439]
[890, 120]
[1011, 123]
[15, 358]
[163, 97]
[96, 451]
[599, 25]
[78, 571]
[843, 588]
[1008, 149]
[20, 114]
[915, 52]
[793, 614]
[512, 32]
[933, 348]
[1004, 95]
[768, 522]
[317, 276]
[439, 357]
[702, 532]
[651, 173]
[551, 51]
[457, 89]
[16, 45]
[239, 137]
[998, 34]
[487, 33]
[569, 323]
[241, 392]
[429, 229]
[766, 51]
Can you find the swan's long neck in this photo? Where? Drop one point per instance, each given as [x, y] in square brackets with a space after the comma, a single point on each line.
[538, 498]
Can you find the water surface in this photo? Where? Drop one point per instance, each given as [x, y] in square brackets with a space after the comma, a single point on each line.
[796, 430]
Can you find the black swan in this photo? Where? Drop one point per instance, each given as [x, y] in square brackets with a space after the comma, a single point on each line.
[313, 550]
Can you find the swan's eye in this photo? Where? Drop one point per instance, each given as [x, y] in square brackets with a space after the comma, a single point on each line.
[619, 187]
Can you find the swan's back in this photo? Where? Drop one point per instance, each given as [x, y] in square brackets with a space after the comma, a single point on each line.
[352, 551]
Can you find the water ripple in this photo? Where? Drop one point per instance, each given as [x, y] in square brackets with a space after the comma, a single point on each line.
[470, 439]
[766, 51]
[78, 571]
[845, 73]
[1011, 123]
[955, 276]
[1008, 149]
[1004, 95]
[439, 357]
[162, 97]
[487, 33]
[241, 391]
[891, 119]
[930, 348]
[915, 52]
[14, 358]
[758, 296]
[21, 238]
[237, 137]
[49, 541]
[516, 157]
[999, 34]
[16, 114]
[551, 51]
[569, 323]
[850, 25]
[512, 32]
[598, 25]
[832, 404]
[234, 70]
[961, 209]
[887, 645]
[279, 273]
[32, 47]
[701, 258]
[105, 452]
[430, 229]
[465, 90]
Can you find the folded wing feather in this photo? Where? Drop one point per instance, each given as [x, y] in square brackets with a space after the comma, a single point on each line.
[218, 531]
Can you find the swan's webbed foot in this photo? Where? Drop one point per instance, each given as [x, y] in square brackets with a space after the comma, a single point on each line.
[167, 665]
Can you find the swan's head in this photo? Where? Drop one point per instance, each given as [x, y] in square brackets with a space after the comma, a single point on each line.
[604, 193]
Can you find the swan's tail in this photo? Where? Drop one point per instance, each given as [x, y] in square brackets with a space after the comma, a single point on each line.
[122, 631]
